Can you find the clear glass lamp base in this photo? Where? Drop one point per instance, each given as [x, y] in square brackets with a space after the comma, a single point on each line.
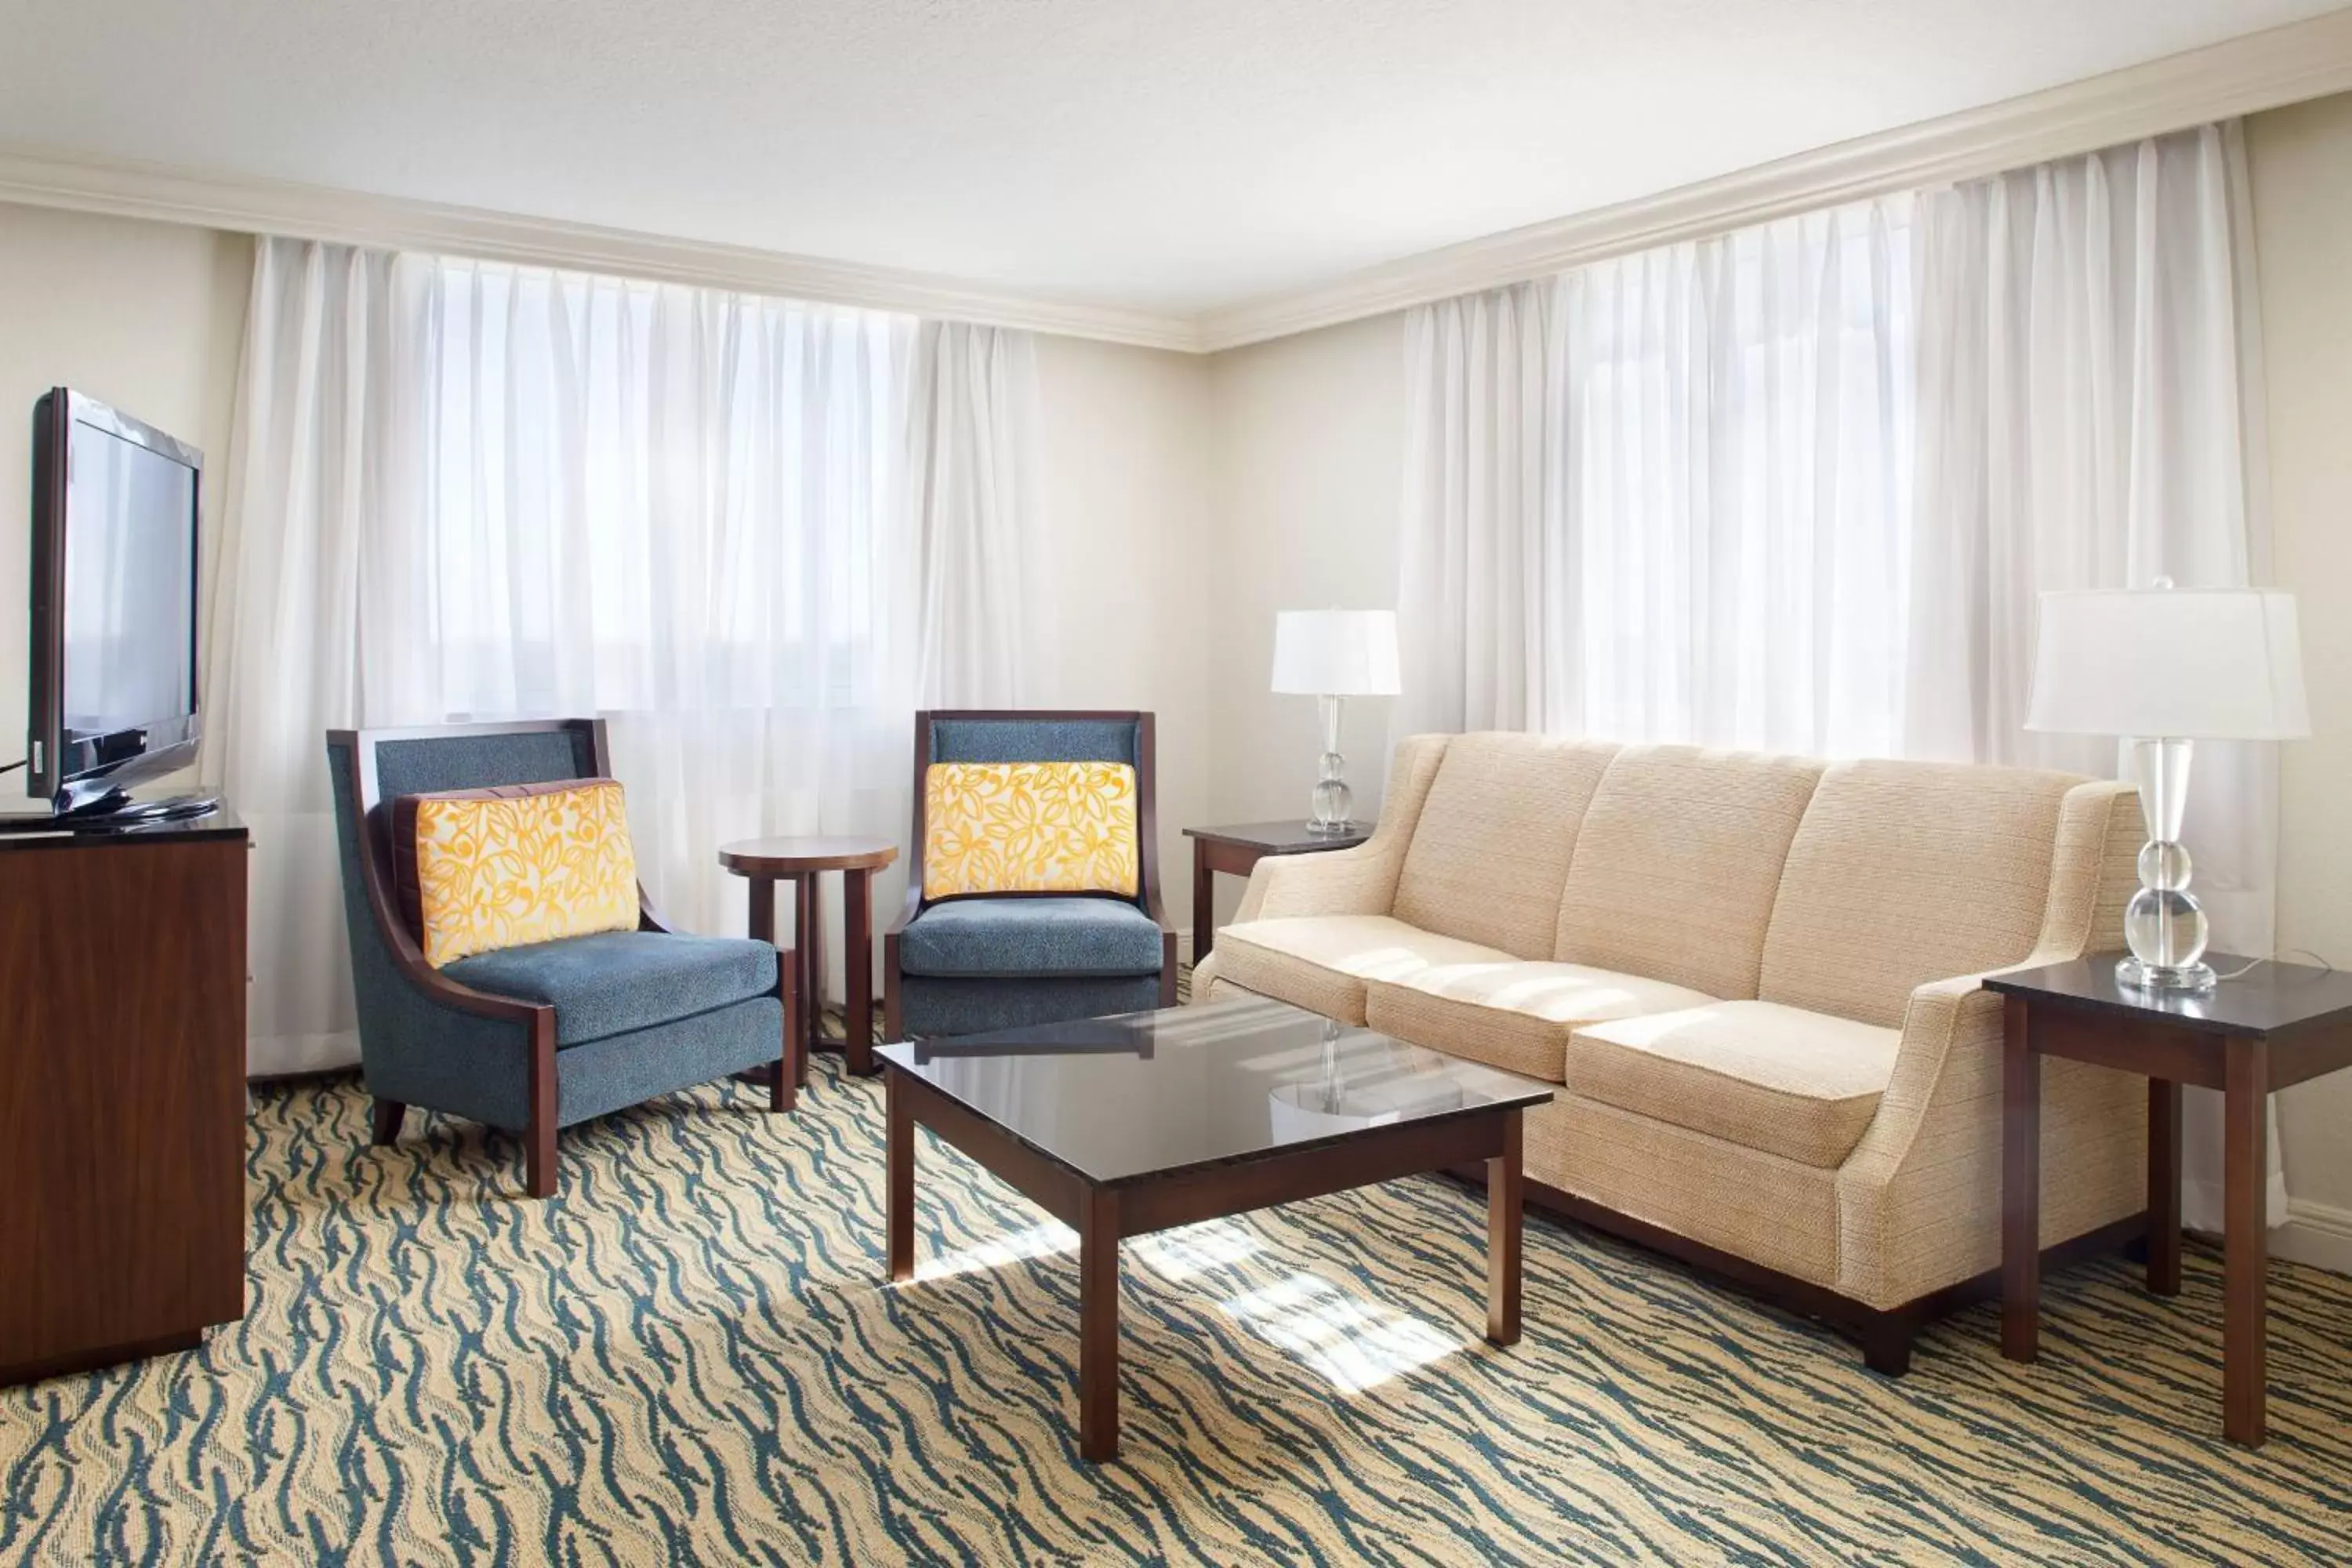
[1332, 800]
[2196, 979]
[2163, 924]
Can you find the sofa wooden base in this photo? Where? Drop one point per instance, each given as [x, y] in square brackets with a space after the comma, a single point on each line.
[1884, 1333]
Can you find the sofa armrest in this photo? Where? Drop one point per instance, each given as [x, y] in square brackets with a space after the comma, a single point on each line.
[1358, 881]
[1919, 1199]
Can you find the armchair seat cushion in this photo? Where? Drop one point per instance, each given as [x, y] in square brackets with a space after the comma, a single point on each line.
[1802, 1085]
[615, 982]
[1032, 937]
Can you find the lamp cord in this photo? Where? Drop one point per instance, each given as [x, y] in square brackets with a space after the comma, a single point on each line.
[12, 767]
[2239, 973]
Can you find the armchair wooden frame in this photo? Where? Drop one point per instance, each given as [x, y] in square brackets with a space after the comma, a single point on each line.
[537, 1020]
[1147, 829]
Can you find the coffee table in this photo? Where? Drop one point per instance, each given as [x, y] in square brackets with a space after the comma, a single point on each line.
[1119, 1127]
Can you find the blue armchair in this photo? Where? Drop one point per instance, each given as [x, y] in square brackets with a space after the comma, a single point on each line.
[964, 964]
[533, 1039]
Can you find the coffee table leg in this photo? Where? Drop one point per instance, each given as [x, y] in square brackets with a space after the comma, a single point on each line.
[1099, 1325]
[1503, 1209]
[898, 1187]
[857, 964]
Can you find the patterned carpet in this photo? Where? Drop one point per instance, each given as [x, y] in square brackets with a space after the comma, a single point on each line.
[690, 1357]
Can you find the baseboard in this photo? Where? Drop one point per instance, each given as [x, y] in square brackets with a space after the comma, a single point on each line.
[2319, 1234]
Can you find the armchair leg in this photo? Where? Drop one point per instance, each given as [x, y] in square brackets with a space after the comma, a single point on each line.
[892, 1030]
[389, 1115]
[539, 1157]
[1167, 966]
[539, 1161]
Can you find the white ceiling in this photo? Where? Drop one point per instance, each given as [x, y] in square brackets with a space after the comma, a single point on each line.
[1178, 155]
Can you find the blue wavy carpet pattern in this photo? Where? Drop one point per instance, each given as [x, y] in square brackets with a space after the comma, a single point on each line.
[691, 1356]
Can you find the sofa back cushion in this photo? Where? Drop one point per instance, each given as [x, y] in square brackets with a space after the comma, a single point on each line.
[1678, 864]
[1907, 872]
[1489, 853]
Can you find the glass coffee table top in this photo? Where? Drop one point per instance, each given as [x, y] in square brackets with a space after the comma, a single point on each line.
[1146, 1094]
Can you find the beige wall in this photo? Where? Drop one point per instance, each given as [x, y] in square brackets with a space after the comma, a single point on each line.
[148, 317]
[1126, 456]
[1306, 474]
[2301, 160]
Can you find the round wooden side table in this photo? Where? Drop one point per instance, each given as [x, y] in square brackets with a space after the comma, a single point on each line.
[800, 861]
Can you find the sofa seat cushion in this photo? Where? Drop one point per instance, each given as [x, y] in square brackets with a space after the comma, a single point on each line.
[1800, 1085]
[1035, 938]
[1321, 963]
[614, 982]
[1516, 1016]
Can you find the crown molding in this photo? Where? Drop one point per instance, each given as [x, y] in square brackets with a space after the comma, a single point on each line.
[346, 218]
[2240, 76]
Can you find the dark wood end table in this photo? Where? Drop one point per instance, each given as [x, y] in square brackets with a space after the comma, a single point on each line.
[1120, 1127]
[2274, 1028]
[1236, 850]
[800, 861]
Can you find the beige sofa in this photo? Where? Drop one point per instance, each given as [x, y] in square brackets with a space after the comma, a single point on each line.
[1754, 978]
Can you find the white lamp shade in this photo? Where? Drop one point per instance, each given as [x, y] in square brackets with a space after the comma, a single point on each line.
[1336, 653]
[2191, 664]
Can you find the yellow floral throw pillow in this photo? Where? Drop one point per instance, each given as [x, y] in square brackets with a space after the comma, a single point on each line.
[507, 867]
[1029, 828]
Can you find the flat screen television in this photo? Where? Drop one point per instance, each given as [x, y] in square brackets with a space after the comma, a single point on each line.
[113, 695]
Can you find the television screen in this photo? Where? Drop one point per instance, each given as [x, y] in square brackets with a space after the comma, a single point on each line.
[113, 697]
[131, 557]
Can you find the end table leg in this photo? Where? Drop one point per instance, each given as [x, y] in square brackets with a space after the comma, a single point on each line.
[2246, 1168]
[783, 1084]
[1099, 1325]
[1204, 901]
[2163, 1187]
[763, 910]
[898, 1187]
[806, 917]
[1505, 1209]
[2020, 1186]
[857, 964]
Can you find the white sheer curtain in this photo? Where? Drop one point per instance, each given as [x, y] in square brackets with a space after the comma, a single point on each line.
[1668, 497]
[976, 511]
[311, 471]
[678, 509]
[2089, 418]
[1485, 630]
[1799, 486]
[469, 491]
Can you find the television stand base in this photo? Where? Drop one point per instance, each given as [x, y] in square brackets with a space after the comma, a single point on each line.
[117, 813]
[110, 812]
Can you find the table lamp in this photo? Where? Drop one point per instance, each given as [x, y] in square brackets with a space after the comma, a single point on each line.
[2164, 667]
[1331, 655]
